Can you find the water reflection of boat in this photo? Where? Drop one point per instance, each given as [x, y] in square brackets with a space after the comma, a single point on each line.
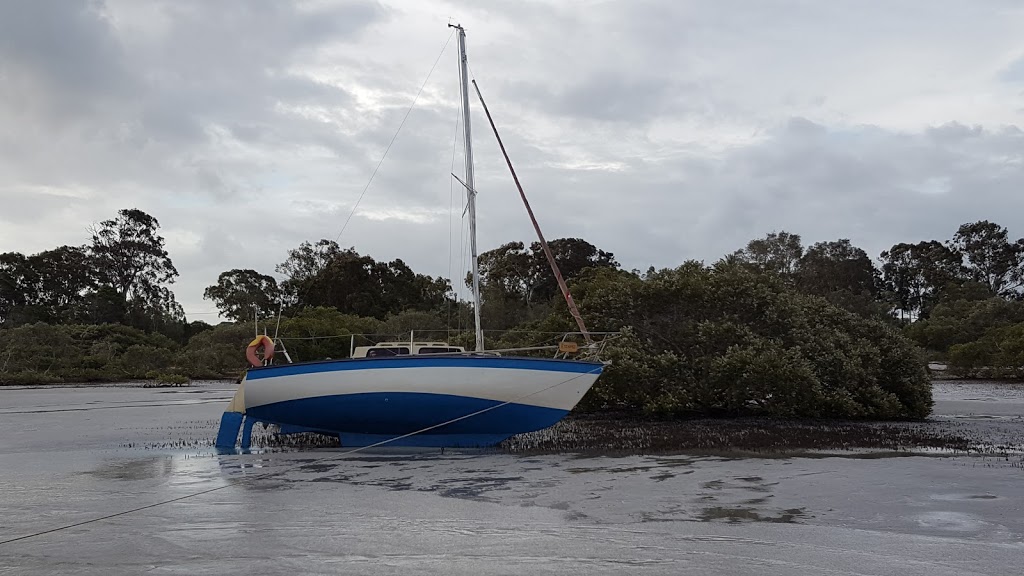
[419, 393]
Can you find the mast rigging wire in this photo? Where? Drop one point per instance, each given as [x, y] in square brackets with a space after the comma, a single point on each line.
[386, 150]
[393, 138]
[451, 221]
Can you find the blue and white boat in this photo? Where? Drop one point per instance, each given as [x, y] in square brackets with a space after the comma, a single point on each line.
[418, 393]
[415, 400]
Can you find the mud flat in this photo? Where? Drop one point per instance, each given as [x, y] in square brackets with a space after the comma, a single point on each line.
[123, 480]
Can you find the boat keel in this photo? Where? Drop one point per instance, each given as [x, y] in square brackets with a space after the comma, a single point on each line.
[230, 424]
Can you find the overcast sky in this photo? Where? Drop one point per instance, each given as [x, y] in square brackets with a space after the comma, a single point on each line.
[657, 130]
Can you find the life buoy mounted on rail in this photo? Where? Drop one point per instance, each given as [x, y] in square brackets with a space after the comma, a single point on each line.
[262, 341]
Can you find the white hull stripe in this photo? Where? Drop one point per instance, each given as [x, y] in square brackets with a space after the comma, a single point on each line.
[542, 388]
[438, 361]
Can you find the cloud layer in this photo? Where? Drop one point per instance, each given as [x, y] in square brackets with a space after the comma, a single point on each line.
[657, 130]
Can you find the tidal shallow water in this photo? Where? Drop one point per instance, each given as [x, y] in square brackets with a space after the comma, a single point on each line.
[72, 454]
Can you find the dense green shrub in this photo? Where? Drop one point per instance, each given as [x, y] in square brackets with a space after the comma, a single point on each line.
[727, 340]
[216, 353]
[998, 354]
[320, 333]
[955, 322]
[38, 353]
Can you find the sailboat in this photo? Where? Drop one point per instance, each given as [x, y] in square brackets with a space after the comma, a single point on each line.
[418, 393]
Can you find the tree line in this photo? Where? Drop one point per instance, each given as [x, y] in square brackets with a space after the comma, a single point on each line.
[324, 274]
[122, 276]
[961, 300]
[978, 261]
[774, 328]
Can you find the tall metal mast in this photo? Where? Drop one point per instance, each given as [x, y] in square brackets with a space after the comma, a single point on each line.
[470, 184]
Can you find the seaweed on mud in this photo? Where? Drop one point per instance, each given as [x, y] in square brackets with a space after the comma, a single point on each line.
[725, 437]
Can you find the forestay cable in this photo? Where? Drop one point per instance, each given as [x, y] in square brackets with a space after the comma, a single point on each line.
[385, 154]
[393, 138]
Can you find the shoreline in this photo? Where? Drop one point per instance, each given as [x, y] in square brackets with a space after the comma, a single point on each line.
[129, 383]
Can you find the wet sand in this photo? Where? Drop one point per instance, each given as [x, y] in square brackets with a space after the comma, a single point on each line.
[70, 454]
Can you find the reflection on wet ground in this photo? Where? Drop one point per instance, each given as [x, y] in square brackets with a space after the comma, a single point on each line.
[481, 512]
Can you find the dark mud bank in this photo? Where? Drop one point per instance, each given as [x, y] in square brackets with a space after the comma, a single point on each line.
[604, 434]
[740, 437]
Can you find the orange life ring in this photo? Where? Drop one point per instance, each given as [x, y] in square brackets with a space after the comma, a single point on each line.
[261, 341]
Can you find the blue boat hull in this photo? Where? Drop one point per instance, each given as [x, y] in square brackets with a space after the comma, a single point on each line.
[371, 418]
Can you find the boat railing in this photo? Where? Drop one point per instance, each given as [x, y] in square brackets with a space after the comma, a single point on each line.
[562, 345]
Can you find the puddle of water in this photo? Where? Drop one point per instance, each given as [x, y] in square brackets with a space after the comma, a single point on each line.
[738, 514]
[135, 469]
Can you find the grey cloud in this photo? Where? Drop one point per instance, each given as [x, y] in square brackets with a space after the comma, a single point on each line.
[869, 184]
[213, 62]
[145, 103]
[660, 131]
[1014, 72]
[62, 52]
[615, 97]
[866, 184]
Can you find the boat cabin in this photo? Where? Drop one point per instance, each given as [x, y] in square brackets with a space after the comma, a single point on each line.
[402, 348]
